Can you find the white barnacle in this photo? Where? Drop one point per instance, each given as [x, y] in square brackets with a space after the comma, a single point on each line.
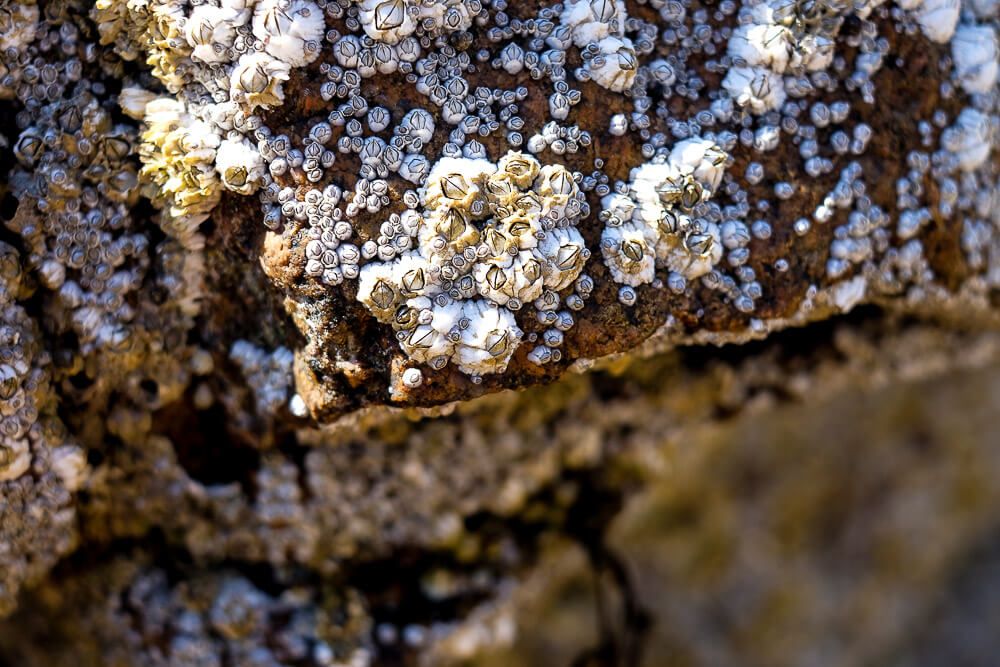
[419, 124]
[347, 50]
[414, 168]
[761, 44]
[378, 291]
[590, 21]
[969, 138]
[758, 88]
[563, 253]
[974, 50]
[692, 254]
[703, 159]
[615, 66]
[938, 18]
[386, 20]
[240, 166]
[290, 30]
[210, 31]
[490, 339]
[257, 80]
[629, 252]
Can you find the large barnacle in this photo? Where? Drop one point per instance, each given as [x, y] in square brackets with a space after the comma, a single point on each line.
[257, 80]
[290, 30]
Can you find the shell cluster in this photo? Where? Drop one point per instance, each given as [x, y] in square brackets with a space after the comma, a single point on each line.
[493, 238]
[656, 223]
[40, 464]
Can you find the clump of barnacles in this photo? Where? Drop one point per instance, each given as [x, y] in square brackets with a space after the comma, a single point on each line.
[492, 238]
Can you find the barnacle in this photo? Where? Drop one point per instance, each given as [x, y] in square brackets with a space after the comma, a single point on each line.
[976, 54]
[178, 153]
[211, 30]
[758, 88]
[240, 166]
[257, 80]
[290, 30]
[615, 65]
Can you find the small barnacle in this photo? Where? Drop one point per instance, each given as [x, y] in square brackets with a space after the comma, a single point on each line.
[412, 378]
[257, 80]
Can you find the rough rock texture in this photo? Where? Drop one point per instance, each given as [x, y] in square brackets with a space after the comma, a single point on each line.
[321, 321]
[827, 534]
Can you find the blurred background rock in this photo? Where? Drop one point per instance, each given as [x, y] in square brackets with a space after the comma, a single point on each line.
[861, 529]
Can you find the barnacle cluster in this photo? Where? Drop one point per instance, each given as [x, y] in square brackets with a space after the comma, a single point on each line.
[40, 464]
[134, 611]
[493, 238]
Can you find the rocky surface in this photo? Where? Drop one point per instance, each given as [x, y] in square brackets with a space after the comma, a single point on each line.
[322, 320]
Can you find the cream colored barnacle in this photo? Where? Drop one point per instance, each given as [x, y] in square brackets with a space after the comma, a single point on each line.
[455, 182]
[490, 339]
[178, 154]
[520, 168]
[18, 24]
[257, 80]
